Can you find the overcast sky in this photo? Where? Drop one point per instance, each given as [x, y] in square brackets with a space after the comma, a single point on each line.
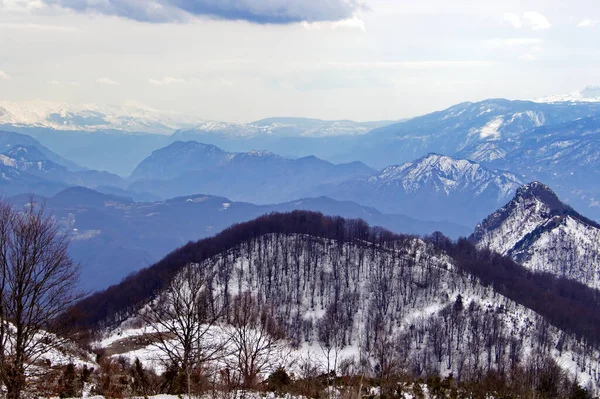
[242, 60]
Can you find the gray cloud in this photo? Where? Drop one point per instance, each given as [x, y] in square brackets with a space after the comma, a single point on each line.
[255, 11]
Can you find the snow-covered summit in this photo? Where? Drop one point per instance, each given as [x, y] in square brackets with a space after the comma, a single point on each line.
[446, 174]
[588, 94]
[537, 230]
[131, 117]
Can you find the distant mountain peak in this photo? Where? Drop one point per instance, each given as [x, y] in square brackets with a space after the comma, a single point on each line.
[532, 203]
[435, 165]
[587, 94]
[260, 153]
[132, 117]
[539, 231]
[541, 192]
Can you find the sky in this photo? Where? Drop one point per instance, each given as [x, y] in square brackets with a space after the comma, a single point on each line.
[243, 60]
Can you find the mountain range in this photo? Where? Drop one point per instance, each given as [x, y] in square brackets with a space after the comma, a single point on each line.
[410, 293]
[550, 140]
[92, 117]
[435, 186]
[184, 168]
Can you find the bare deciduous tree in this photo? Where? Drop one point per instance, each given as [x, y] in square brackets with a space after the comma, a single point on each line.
[37, 284]
[183, 316]
[255, 338]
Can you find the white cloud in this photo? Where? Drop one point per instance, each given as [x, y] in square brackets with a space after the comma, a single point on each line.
[403, 65]
[527, 57]
[351, 23]
[536, 20]
[513, 19]
[38, 27]
[54, 82]
[515, 42]
[166, 81]
[107, 81]
[587, 23]
[531, 19]
[22, 5]
[4, 75]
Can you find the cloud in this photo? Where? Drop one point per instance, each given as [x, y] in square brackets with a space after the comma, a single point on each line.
[22, 5]
[350, 23]
[404, 65]
[587, 23]
[255, 11]
[4, 75]
[107, 81]
[531, 19]
[37, 27]
[513, 19]
[166, 81]
[536, 20]
[527, 57]
[515, 42]
[54, 82]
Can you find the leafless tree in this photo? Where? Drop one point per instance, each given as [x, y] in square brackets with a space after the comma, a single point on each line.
[183, 317]
[256, 339]
[37, 284]
[330, 338]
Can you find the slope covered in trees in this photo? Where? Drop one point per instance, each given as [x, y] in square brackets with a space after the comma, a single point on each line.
[422, 307]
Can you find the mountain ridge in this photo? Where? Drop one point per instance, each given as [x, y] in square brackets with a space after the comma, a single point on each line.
[539, 231]
[431, 281]
[433, 184]
[113, 236]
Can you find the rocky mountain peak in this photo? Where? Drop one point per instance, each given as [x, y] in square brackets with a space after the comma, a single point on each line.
[541, 192]
[542, 233]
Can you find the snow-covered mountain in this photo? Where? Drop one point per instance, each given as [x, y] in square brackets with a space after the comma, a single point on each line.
[537, 230]
[134, 117]
[279, 127]
[26, 148]
[453, 130]
[566, 156]
[343, 294]
[588, 94]
[435, 186]
[92, 117]
[30, 160]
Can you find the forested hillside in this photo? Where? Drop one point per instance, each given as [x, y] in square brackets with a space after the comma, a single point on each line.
[383, 305]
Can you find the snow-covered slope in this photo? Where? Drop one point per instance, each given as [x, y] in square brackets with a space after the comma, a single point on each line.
[92, 117]
[401, 301]
[446, 174]
[452, 131]
[540, 232]
[279, 127]
[28, 159]
[437, 186]
[134, 117]
[589, 94]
